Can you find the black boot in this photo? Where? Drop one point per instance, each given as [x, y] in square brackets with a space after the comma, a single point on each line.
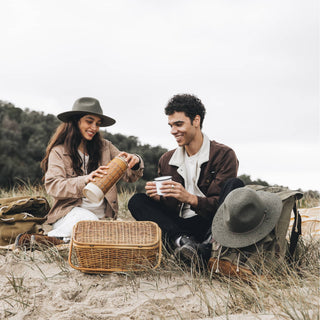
[192, 251]
[187, 251]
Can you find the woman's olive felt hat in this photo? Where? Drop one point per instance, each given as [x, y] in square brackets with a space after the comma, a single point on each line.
[245, 217]
[87, 105]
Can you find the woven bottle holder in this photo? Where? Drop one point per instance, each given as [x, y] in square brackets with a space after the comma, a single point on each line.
[96, 190]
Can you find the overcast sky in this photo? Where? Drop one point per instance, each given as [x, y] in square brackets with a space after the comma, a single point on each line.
[254, 65]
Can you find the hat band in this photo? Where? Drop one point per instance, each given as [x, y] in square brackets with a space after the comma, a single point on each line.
[256, 227]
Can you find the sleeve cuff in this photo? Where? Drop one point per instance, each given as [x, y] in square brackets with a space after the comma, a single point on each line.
[137, 165]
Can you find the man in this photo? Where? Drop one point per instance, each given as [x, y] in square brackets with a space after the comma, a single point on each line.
[199, 168]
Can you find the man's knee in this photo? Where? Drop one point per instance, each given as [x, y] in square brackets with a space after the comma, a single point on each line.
[234, 183]
[136, 201]
[228, 186]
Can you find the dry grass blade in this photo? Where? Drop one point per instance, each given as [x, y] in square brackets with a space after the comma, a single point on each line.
[41, 285]
[15, 282]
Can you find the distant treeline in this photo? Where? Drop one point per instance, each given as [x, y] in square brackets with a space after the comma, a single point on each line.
[24, 136]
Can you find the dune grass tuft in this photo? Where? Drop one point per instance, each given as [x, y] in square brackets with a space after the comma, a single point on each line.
[290, 291]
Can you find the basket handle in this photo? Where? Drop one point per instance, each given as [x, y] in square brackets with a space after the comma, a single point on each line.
[70, 255]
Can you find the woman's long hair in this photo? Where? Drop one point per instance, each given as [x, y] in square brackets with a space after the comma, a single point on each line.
[70, 136]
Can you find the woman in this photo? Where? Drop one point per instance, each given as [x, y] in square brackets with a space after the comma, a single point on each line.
[76, 155]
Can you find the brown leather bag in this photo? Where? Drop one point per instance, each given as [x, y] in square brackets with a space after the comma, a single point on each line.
[21, 215]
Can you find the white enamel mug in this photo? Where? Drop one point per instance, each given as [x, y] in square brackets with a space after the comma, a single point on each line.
[159, 181]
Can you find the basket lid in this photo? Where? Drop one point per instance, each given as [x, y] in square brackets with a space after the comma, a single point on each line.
[128, 233]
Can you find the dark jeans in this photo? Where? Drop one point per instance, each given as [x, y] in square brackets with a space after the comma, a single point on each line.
[143, 208]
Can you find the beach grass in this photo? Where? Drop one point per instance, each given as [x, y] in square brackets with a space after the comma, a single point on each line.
[39, 284]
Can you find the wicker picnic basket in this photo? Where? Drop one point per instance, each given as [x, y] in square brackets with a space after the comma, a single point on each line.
[106, 246]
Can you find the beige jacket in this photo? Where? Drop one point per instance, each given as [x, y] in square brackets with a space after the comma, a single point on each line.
[63, 184]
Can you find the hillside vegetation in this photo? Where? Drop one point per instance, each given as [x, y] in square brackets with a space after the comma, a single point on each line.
[24, 135]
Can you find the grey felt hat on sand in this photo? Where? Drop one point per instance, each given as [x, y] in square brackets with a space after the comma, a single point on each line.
[85, 106]
[245, 217]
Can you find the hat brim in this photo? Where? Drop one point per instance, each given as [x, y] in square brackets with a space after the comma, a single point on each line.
[227, 238]
[105, 121]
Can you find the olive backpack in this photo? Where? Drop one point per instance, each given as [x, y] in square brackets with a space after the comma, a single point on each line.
[275, 247]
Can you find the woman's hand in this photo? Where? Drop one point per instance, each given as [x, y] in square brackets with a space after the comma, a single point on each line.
[151, 190]
[96, 173]
[131, 159]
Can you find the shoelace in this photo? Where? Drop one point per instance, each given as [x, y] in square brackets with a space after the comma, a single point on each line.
[218, 260]
[238, 261]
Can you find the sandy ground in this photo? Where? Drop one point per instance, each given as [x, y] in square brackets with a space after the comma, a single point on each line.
[38, 285]
[310, 222]
[32, 288]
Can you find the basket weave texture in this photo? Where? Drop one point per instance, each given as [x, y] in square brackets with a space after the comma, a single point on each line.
[106, 246]
[117, 168]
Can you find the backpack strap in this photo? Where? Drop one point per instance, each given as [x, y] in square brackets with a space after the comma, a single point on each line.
[295, 232]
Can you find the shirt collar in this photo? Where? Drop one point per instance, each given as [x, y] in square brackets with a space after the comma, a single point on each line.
[177, 158]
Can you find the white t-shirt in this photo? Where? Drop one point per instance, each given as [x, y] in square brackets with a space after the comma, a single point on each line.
[191, 163]
[97, 208]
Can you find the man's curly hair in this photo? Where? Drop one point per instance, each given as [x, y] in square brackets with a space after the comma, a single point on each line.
[190, 104]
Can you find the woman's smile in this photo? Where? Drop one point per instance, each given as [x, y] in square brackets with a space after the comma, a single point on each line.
[89, 125]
